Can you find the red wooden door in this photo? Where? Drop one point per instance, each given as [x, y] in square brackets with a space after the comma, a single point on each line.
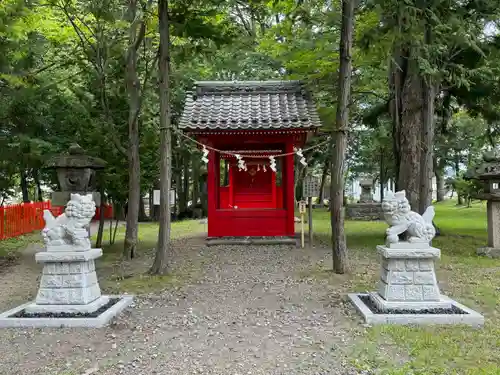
[253, 188]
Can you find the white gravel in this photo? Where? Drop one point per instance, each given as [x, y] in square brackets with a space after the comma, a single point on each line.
[248, 311]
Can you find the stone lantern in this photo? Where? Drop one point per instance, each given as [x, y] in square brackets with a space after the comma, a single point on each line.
[366, 190]
[488, 173]
[75, 173]
[366, 208]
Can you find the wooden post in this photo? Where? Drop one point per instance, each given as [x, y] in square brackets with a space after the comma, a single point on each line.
[302, 229]
[289, 189]
[310, 218]
[302, 210]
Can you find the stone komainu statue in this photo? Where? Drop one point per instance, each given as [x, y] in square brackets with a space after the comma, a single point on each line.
[403, 221]
[70, 228]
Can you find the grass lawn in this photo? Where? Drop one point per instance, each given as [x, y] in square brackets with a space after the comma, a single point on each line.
[10, 248]
[117, 275]
[472, 280]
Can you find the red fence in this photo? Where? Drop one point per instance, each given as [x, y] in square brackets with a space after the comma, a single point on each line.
[19, 219]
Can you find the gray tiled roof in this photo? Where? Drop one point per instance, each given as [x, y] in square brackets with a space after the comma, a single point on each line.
[249, 105]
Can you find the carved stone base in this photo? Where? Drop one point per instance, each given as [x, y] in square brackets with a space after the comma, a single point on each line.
[35, 308]
[382, 304]
[68, 278]
[364, 211]
[489, 252]
[407, 277]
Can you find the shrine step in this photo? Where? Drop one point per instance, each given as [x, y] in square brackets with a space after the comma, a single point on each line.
[214, 241]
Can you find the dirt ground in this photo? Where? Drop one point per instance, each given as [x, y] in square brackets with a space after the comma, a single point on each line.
[243, 310]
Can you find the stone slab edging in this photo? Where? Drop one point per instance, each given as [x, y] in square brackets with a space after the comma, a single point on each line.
[66, 256]
[408, 253]
[100, 321]
[472, 318]
[34, 308]
[249, 241]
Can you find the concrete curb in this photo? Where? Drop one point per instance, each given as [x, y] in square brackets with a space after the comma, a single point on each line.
[250, 241]
[472, 318]
[100, 321]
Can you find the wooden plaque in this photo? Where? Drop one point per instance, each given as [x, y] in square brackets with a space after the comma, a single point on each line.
[310, 187]
[302, 207]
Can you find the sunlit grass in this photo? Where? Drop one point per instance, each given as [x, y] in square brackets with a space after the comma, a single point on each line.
[11, 246]
[148, 236]
[120, 276]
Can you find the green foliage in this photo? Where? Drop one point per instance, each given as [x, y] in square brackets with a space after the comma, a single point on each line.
[62, 81]
[468, 189]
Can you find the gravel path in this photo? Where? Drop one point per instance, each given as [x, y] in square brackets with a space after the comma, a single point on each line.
[247, 311]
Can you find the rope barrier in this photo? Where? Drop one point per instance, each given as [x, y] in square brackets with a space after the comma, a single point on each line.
[229, 153]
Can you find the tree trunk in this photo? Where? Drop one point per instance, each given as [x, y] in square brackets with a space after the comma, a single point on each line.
[440, 188]
[324, 175]
[457, 176]
[160, 264]
[411, 127]
[151, 204]
[183, 183]
[100, 230]
[196, 179]
[24, 186]
[397, 73]
[406, 113]
[204, 195]
[426, 156]
[426, 159]
[185, 178]
[142, 209]
[155, 215]
[382, 175]
[134, 95]
[178, 192]
[299, 177]
[339, 140]
[39, 193]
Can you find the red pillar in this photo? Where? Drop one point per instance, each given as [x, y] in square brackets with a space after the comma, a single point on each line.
[289, 184]
[231, 184]
[212, 189]
[273, 191]
[2, 222]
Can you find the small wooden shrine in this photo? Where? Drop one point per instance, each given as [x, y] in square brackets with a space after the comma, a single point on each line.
[254, 121]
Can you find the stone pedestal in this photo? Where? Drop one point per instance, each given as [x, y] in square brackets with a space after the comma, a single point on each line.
[493, 214]
[69, 282]
[408, 279]
[69, 293]
[366, 191]
[364, 211]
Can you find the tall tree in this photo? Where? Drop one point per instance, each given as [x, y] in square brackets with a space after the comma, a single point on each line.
[339, 139]
[160, 265]
[429, 89]
[137, 31]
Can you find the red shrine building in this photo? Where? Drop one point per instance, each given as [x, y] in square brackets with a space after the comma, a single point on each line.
[254, 120]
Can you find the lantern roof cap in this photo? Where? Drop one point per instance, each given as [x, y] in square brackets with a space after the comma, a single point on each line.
[75, 157]
[488, 170]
